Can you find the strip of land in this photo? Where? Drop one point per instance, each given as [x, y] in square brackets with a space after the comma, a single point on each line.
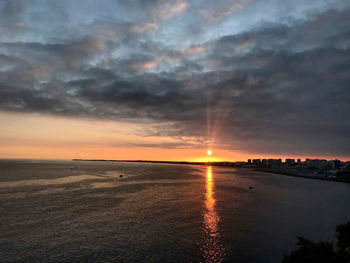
[304, 175]
[310, 173]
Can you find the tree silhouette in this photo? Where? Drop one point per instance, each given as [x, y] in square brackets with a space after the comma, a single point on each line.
[322, 252]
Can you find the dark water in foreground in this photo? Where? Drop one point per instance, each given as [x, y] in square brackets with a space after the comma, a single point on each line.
[159, 212]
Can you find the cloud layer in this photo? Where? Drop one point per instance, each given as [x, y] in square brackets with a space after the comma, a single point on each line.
[273, 86]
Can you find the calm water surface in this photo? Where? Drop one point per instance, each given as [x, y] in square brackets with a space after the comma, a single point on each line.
[85, 212]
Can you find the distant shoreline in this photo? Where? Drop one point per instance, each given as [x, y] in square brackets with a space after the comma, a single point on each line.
[302, 176]
[226, 164]
[222, 164]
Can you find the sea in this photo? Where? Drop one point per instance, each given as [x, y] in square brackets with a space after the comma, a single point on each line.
[102, 211]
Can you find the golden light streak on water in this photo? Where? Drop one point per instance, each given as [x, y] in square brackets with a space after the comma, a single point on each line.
[213, 249]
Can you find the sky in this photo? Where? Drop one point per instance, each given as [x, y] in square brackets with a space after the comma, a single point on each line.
[170, 79]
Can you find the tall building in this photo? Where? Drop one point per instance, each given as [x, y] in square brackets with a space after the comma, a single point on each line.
[256, 162]
[290, 161]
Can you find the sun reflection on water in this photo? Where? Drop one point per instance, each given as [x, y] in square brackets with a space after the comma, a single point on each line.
[213, 249]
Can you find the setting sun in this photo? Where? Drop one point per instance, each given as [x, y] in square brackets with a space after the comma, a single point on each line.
[210, 152]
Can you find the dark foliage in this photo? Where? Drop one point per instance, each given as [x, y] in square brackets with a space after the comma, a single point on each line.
[343, 235]
[322, 252]
[311, 252]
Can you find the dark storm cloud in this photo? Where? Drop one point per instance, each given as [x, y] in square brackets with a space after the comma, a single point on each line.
[11, 15]
[267, 89]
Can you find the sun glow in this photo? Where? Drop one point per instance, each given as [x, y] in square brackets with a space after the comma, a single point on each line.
[210, 152]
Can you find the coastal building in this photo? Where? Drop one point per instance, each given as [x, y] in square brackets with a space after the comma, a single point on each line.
[256, 162]
[315, 168]
[290, 161]
[267, 163]
[335, 164]
[320, 164]
[264, 163]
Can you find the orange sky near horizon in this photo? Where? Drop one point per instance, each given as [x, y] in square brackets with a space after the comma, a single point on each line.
[35, 136]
